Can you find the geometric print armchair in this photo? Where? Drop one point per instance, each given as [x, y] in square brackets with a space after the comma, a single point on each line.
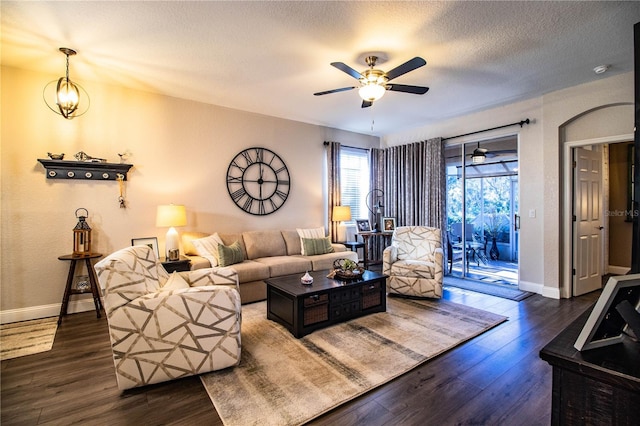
[163, 327]
[414, 262]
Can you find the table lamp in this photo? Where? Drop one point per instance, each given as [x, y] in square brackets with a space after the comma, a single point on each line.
[171, 215]
[341, 214]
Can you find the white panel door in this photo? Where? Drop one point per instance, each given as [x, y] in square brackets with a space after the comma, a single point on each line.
[587, 240]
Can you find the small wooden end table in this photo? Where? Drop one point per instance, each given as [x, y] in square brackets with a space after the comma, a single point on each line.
[180, 265]
[93, 282]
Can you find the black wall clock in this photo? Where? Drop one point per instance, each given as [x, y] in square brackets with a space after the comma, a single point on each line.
[258, 181]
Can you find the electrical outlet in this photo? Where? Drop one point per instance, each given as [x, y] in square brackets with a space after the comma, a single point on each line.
[532, 213]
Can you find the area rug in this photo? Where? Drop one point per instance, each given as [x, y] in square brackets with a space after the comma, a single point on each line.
[500, 290]
[27, 337]
[282, 380]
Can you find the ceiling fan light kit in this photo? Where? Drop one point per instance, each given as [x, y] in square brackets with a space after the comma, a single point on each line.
[478, 157]
[373, 82]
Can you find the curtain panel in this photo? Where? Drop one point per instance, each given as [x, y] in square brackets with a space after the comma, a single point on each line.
[333, 185]
[415, 183]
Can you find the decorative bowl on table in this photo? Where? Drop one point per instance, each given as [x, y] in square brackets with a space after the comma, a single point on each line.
[346, 270]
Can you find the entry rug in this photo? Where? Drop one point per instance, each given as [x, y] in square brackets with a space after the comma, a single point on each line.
[282, 380]
[499, 290]
[27, 337]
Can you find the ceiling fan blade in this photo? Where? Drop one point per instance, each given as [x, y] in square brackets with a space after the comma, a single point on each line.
[346, 68]
[366, 104]
[410, 65]
[418, 90]
[326, 92]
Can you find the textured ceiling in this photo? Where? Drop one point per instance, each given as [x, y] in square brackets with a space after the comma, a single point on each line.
[270, 57]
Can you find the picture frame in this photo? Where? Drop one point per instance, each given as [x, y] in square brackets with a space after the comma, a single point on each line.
[388, 224]
[363, 225]
[613, 314]
[152, 242]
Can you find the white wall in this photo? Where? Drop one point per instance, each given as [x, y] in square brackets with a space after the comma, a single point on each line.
[181, 150]
[540, 155]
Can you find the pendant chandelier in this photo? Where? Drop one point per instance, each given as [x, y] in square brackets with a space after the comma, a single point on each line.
[65, 97]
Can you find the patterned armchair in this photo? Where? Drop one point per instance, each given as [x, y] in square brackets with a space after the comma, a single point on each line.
[414, 261]
[165, 327]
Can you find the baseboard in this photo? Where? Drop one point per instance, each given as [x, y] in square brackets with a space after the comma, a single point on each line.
[619, 270]
[44, 311]
[541, 289]
[532, 287]
[551, 292]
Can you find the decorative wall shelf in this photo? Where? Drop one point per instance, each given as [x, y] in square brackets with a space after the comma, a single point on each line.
[84, 170]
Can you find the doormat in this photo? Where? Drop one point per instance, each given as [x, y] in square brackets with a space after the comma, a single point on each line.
[282, 380]
[27, 337]
[499, 290]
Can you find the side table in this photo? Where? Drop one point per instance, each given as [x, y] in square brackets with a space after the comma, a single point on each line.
[353, 245]
[180, 265]
[93, 281]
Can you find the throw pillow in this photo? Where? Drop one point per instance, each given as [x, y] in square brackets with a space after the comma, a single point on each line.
[175, 282]
[310, 233]
[208, 248]
[314, 246]
[230, 255]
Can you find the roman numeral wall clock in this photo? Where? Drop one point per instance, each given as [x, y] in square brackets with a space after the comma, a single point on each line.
[258, 181]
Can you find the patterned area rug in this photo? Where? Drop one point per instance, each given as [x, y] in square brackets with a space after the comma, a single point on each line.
[27, 337]
[282, 380]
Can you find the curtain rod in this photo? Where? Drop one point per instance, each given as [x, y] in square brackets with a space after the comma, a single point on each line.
[325, 143]
[521, 123]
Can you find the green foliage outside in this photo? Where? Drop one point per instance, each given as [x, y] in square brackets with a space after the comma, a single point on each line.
[488, 205]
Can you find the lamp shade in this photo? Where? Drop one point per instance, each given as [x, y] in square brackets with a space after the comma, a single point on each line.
[171, 215]
[371, 92]
[341, 213]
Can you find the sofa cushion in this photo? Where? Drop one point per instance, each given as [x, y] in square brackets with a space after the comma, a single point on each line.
[264, 243]
[293, 241]
[187, 242]
[228, 239]
[175, 282]
[313, 246]
[325, 261]
[309, 233]
[207, 247]
[250, 270]
[286, 265]
[230, 255]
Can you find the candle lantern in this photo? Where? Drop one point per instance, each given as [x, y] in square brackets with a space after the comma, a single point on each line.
[82, 235]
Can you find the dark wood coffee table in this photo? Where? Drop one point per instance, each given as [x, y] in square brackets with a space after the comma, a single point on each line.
[305, 308]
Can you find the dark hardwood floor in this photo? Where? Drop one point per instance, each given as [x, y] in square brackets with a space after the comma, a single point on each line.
[496, 378]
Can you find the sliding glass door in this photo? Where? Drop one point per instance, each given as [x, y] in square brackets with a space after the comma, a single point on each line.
[482, 201]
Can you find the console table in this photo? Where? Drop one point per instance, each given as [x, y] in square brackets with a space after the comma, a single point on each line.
[302, 309]
[597, 386]
[366, 236]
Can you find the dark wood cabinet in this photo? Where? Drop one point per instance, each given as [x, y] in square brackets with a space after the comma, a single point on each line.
[599, 386]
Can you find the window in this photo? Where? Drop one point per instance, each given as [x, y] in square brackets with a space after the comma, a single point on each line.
[354, 181]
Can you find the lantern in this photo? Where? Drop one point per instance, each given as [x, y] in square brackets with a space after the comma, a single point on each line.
[82, 235]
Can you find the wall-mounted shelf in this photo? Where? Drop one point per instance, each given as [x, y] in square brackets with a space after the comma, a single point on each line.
[84, 170]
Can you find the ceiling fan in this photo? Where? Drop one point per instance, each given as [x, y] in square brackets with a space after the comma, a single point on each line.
[479, 155]
[374, 83]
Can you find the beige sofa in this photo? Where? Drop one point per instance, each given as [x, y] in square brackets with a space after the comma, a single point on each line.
[267, 254]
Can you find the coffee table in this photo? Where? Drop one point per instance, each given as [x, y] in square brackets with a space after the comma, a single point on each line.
[302, 309]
